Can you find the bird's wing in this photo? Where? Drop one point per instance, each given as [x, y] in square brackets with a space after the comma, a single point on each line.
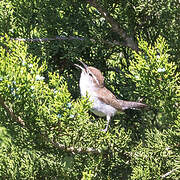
[108, 97]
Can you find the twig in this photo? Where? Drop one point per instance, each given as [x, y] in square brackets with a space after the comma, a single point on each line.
[72, 149]
[168, 173]
[10, 112]
[129, 42]
[49, 39]
[63, 38]
[45, 137]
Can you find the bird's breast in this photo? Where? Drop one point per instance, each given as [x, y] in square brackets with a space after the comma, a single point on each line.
[98, 107]
[86, 86]
[102, 109]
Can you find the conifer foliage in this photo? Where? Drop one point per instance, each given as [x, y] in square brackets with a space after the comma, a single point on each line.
[46, 128]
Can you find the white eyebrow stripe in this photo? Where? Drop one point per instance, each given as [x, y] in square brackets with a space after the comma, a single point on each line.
[94, 77]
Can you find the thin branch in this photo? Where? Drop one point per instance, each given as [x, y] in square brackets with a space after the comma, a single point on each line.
[49, 39]
[168, 173]
[63, 38]
[129, 40]
[59, 38]
[45, 137]
[72, 149]
[10, 112]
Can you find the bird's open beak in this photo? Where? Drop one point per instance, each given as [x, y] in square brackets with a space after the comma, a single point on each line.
[83, 68]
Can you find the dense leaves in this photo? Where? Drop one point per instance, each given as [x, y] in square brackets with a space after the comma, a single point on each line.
[46, 129]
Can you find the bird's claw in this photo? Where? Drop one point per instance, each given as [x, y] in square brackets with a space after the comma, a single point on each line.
[104, 130]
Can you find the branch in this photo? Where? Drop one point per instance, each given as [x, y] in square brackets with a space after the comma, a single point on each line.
[45, 137]
[59, 38]
[168, 173]
[129, 42]
[72, 149]
[63, 38]
[49, 39]
[10, 112]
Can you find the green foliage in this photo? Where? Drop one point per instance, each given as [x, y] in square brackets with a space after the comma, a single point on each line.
[59, 138]
[155, 157]
[46, 19]
[38, 82]
[6, 17]
[156, 79]
[50, 117]
[147, 18]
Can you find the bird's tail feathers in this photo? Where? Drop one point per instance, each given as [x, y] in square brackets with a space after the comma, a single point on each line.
[132, 105]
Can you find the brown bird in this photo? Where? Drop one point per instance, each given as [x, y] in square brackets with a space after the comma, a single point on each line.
[104, 103]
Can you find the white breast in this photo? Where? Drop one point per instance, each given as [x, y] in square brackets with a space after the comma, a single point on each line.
[86, 85]
[99, 108]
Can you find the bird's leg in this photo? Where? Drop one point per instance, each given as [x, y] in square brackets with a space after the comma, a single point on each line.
[108, 118]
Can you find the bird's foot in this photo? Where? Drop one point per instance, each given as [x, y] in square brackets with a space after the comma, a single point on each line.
[104, 130]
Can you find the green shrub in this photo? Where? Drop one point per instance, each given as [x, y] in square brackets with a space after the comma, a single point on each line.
[46, 134]
[157, 81]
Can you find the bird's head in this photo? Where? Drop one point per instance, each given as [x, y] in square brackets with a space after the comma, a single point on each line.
[91, 74]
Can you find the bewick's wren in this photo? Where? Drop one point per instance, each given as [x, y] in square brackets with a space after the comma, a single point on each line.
[104, 103]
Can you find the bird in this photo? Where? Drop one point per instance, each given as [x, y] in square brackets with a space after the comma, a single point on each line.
[104, 102]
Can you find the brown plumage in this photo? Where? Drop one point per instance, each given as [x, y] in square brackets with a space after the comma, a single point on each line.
[104, 103]
[98, 75]
[108, 97]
